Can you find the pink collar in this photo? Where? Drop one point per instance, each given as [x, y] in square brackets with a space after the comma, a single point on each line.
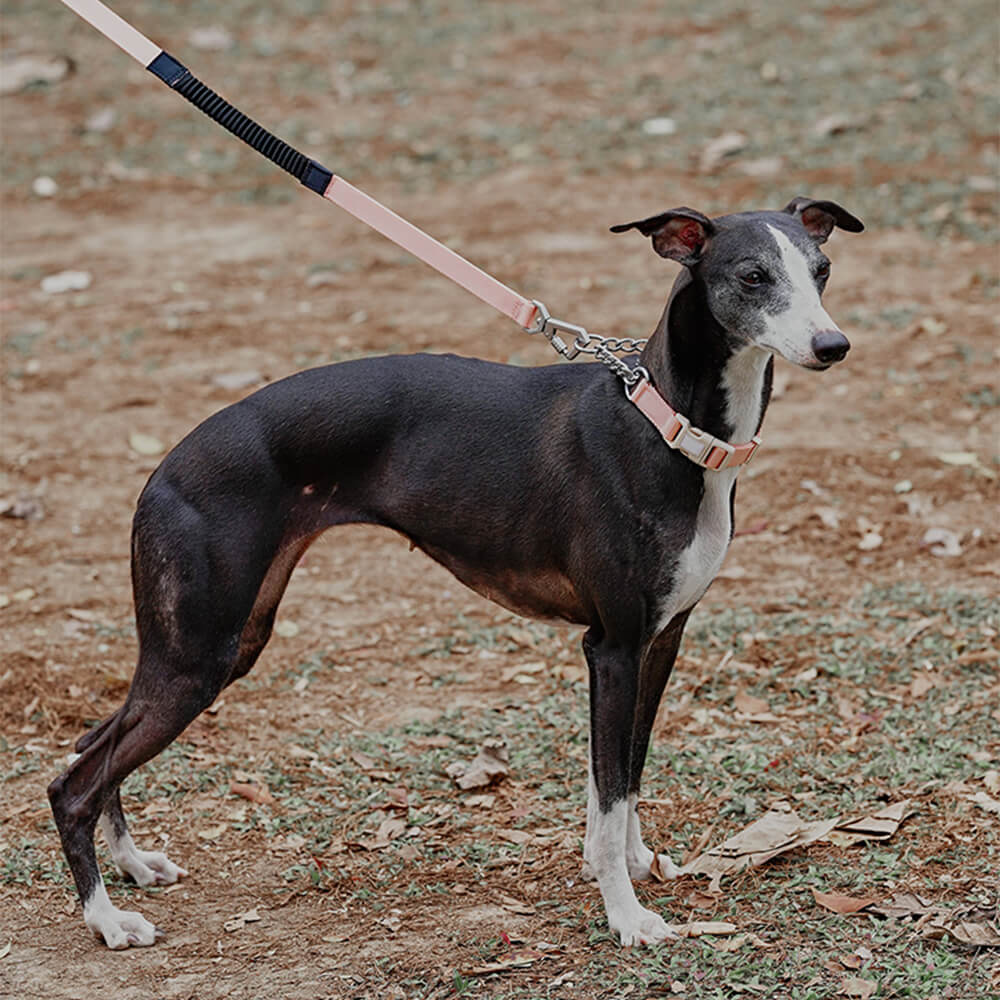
[699, 446]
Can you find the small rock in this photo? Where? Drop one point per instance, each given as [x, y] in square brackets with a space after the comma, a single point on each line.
[66, 281]
[659, 126]
[835, 124]
[727, 144]
[286, 629]
[211, 39]
[237, 380]
[22, 71]
[770, 73]
[764, 166]
[903, 486]
[145, 444]
[943, 542]
[25, 508]
[102, 121]
[44, 187]
[24, 594]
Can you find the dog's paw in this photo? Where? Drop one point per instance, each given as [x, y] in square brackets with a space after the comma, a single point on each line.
[122, 929]
[642, 926]
[151, 868]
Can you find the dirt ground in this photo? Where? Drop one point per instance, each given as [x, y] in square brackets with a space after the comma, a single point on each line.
[517, 135]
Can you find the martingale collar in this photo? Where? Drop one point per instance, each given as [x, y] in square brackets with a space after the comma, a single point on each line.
[699, 446]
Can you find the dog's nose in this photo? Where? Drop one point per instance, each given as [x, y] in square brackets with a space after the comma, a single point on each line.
[830, 346]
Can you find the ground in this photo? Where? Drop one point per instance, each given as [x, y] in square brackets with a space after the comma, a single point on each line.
[845, 659]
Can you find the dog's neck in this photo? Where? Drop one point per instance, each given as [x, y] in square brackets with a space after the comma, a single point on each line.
[722, 386]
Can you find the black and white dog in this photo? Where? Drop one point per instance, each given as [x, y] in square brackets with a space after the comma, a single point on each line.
[543, 489]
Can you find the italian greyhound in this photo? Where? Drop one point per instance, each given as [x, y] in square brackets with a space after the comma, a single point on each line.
[543, 489]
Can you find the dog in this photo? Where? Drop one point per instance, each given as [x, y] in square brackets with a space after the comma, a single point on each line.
[549, 490]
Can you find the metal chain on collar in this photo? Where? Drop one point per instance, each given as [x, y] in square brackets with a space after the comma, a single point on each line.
[602, 348]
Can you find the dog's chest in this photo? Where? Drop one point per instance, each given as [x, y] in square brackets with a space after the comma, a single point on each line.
[701, 560]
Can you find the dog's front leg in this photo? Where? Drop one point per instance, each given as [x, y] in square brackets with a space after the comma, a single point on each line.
[614, 687]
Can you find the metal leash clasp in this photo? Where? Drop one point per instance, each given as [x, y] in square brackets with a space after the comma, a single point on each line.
[551, 328]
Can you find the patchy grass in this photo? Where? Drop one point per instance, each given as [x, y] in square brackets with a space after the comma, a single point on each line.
[849, 735]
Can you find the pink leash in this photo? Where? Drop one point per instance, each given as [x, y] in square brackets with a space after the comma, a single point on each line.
[700, 447]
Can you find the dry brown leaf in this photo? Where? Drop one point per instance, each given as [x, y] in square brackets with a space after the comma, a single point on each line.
[255, 793]
[838, 903]
[903, 904]
[877, 826]
[717, 928]
[777, 831]
[516, 836]
[854, 986]
[986, 802]
[750, 705]
[513, 905]
[921, 684]
[519, 958]
[490, 766]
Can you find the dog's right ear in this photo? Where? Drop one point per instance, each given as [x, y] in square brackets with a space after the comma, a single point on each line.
[680, 234]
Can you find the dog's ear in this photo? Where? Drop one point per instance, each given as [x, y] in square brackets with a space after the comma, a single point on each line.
[680, 234]
[820, 217]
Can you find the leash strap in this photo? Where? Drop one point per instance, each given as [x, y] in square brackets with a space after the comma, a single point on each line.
[309, 172]
[532, 316]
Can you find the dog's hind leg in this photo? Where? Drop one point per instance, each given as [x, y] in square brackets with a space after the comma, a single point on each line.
[142, 728]
[655, 666]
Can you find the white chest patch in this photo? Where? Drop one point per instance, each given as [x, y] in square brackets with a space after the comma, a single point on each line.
[701, 561]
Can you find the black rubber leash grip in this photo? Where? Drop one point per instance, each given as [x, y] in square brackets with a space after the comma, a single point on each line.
[308, 172]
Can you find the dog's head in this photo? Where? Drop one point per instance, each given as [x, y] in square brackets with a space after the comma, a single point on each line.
[762, 273]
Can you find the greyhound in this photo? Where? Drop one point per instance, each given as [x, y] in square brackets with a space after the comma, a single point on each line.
[543, 489]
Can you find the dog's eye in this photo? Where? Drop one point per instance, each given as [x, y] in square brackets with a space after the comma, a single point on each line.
[822, 271]
[753, 278]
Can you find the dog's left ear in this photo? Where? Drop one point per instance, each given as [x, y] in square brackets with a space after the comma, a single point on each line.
[680, 234]
[820, 217]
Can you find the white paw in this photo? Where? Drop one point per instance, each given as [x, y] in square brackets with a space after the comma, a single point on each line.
[642, 926]
[122, 928]
[151, 868]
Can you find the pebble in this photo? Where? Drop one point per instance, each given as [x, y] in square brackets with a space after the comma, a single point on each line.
[66, 281]
[659, 126]
[44, 187]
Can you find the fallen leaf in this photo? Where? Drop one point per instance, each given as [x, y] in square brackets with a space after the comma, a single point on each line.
[878, 826]
[991, 779]
[986, 802]
[835, 124]
[749, 705]
[516, 836]
[921, 684]
[853, 986]
[777, 831]
[838, 903]
[490, 765]
[255, 793]
[213, 832]
[513, 905]
[699, 928]
[238, 922]
[519, 958]
[5, 950]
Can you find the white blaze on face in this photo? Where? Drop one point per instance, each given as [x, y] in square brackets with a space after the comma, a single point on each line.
[790, 332]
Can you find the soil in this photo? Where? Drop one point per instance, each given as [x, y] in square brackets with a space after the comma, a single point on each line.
[189, 285]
